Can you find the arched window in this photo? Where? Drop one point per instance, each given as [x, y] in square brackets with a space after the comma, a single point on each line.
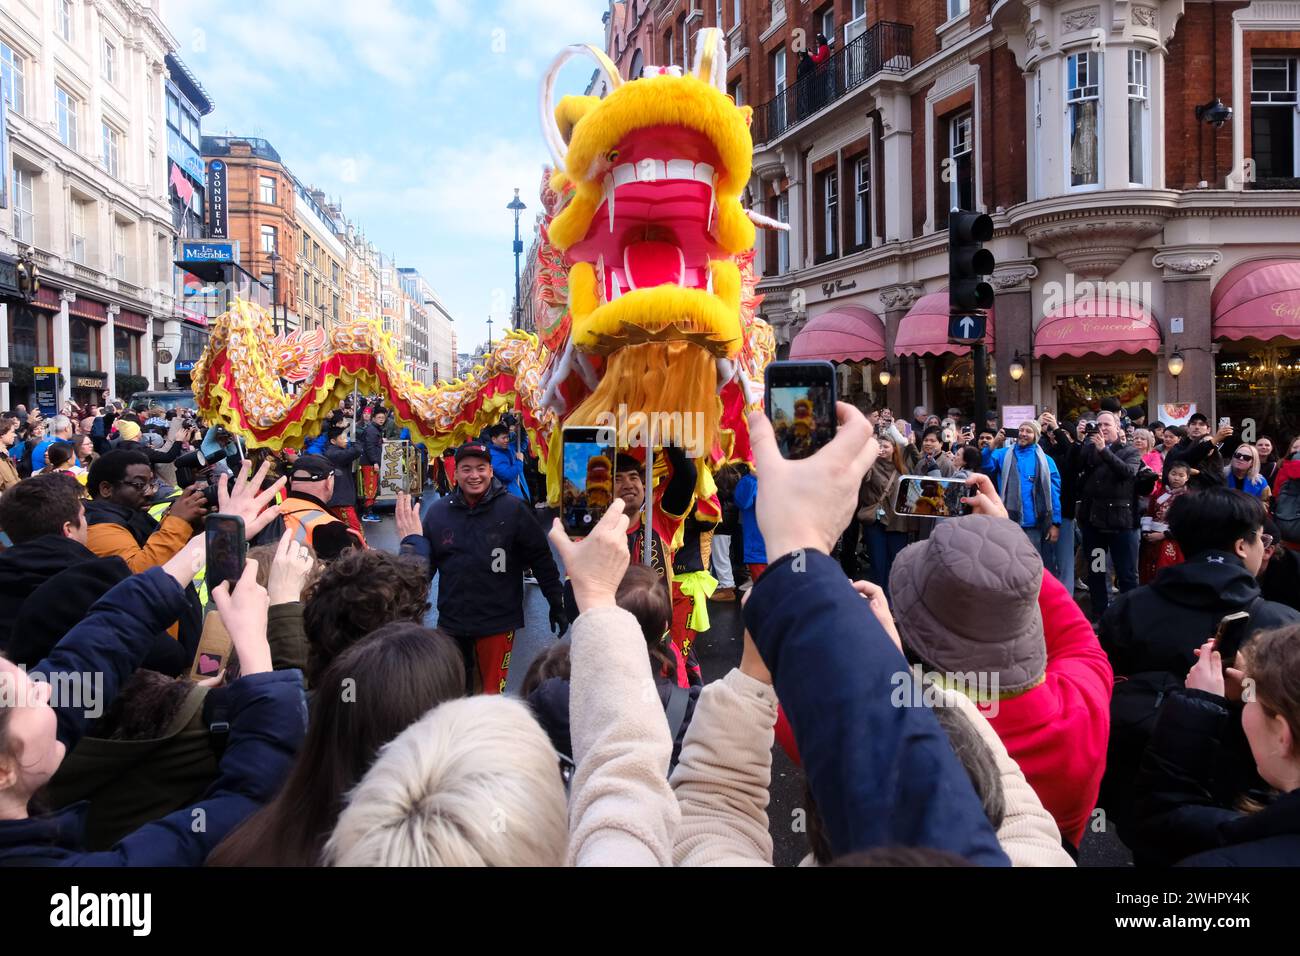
[638, 64]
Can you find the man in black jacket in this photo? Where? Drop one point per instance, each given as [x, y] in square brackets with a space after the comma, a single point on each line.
[1151, 634]
[372, 456]
[343, 503]
[1201, 452]
[480, 539]
[1108, 510]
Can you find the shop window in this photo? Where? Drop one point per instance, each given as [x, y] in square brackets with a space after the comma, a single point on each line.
[1083, 392]
[126, 354]
[82, 339]
[24, 338]
[957, 384]
[1261, 383]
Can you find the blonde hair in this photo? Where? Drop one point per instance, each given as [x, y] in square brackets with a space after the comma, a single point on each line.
[475, 782]
[1146, 436]
[1253, 472]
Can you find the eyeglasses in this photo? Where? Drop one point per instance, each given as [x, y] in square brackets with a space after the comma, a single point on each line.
[1242, 458]
[1266, 539]
[139, 484]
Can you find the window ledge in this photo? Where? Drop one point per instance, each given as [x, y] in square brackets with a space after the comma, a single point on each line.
[771, 30]
[953, 30]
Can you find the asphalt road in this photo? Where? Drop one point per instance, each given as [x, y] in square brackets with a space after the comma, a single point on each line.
[719, 650]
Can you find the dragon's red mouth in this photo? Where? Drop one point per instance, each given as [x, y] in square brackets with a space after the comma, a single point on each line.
[655, 225]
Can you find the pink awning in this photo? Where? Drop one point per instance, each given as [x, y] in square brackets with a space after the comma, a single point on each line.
[1258, 300]
[849, 333]
[924, 330]
[1100, 327]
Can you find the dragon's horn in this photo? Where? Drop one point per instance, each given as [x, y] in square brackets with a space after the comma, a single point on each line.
[711, 58]
[550, 128]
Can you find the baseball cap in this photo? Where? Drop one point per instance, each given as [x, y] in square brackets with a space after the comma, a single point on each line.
[473, 449]
[312, 467]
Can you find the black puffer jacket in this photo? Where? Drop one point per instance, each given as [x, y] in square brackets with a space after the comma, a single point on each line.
[1157, 627]
[1108, 496]
[372, 445]
[1177, 815]
[481, 553]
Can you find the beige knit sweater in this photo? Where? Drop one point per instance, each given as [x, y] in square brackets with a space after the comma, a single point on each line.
[722, 780]
[622, 811]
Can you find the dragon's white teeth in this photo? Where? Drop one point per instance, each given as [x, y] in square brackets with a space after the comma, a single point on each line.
[704, 173]
[713, 201]
[680, 169]
[609, 199]
[708, 287]
[651, 170]
[615, 288]
[624, 174]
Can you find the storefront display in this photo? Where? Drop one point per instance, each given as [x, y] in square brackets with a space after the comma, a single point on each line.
[1083, 392]
[1260, 383]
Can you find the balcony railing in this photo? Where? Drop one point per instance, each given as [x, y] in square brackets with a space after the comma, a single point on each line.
[887, 46]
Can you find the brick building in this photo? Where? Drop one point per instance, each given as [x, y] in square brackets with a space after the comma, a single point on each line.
[1126, 222]
[260, 215]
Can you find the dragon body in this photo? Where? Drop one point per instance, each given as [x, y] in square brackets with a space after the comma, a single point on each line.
[644, 296]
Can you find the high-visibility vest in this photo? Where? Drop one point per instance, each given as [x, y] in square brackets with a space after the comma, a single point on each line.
[303, 517]
[156, 511]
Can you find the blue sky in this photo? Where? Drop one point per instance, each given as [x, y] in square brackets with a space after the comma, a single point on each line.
[420, 115]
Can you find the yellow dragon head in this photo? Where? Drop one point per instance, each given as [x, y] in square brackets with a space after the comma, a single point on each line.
[655, 219]
[647, 299]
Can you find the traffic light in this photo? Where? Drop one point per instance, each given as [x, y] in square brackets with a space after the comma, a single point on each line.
[29, 278]
[968, 260]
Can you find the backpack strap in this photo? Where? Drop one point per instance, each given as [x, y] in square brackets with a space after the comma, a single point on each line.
[216, 714]
[676, 710]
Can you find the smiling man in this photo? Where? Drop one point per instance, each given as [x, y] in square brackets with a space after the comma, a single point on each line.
[480, 539]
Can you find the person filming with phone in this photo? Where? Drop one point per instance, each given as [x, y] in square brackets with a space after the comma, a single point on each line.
[1030, 486]
[1202, 452]
[1107, 509]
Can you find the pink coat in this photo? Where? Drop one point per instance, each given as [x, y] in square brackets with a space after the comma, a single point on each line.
[1058, 731]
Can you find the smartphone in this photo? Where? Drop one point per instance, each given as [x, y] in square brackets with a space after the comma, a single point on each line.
[227, 549]
[1225, 422]
[1230, 635]
[800, 401]
[587, 467]
[922, 497]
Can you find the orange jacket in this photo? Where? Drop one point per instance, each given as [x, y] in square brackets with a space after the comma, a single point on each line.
[115, 540]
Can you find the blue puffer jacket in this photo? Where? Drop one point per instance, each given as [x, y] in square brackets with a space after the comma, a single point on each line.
[268, 715]
[509, 470]
[882, 775]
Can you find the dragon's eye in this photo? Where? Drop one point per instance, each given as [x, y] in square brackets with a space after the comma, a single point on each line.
[612, 156]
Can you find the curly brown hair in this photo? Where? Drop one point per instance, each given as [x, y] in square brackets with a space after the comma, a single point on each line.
[358, 593]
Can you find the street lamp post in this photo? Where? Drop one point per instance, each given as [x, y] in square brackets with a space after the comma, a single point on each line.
[489, 325]
[518, 207]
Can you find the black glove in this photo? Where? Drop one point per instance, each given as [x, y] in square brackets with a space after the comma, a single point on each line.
[559, 620]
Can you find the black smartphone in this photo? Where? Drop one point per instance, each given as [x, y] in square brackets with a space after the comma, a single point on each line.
[922, 497]
[227, 549]
[587, 469]
[800, 401]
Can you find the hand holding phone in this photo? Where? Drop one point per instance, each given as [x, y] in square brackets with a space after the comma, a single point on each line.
[921, 497]
[227, 548]
[800, 403]
[587, 476]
